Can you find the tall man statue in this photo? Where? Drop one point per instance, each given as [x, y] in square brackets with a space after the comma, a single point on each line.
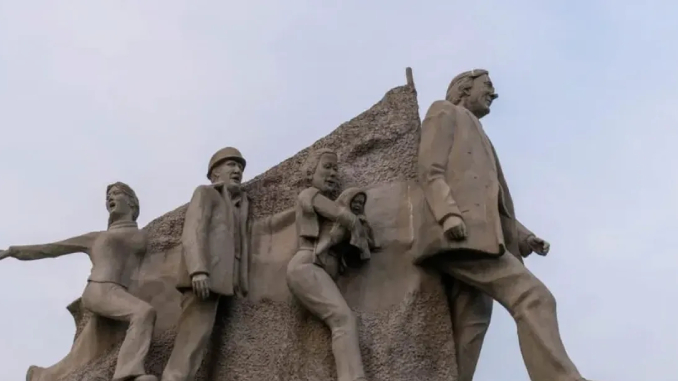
[113, 253]
[214, 263]
[471, 227]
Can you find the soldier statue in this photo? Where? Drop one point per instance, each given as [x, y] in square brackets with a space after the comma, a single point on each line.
[214, 261]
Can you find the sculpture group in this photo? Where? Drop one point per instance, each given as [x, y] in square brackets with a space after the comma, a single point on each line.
[470, 234]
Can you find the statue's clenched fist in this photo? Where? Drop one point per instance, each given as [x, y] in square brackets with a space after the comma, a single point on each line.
[538, 245]
[454, 228]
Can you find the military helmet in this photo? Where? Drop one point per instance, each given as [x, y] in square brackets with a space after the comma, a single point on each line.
[225, 154]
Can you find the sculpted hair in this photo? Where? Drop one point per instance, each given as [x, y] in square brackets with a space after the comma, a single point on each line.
[461, 84]
[131, 197]
[311, 163]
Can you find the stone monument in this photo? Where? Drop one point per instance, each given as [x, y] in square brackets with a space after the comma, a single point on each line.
[281, 280]
[400, 309]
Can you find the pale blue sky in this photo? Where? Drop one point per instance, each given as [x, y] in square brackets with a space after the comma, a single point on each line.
[146, 91]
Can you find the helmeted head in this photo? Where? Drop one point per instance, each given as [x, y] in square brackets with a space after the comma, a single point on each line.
[121, 201]
[473, 90]
[227, 166]
[321, 170]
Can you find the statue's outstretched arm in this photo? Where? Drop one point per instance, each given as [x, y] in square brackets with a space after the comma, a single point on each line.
[79, 244]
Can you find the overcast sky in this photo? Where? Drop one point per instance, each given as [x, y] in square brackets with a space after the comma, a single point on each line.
[92, 92]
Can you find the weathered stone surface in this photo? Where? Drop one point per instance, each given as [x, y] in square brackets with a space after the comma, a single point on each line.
[405, 327]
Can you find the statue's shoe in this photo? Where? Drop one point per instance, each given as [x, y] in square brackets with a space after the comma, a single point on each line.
[146, 377]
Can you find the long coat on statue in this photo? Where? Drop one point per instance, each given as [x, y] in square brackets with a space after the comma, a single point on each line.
[215, 241]
[460, 174]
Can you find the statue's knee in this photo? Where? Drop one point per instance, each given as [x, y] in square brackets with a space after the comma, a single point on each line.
[342, 319]
[536, 297]
[544, 297]
[295, 267]
[146, 313]
[293, 274]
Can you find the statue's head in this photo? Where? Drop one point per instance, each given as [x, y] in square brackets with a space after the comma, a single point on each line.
[121, 202]
[358, 203]
[473, 90]
[227, 166]
[353, 198]
[322, 171]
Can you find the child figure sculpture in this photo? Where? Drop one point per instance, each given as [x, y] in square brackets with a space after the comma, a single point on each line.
[348, 249]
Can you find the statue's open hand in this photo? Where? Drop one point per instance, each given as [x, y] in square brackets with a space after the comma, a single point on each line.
[538, 245]
[5, 254]
[454, 228]
[201, 285]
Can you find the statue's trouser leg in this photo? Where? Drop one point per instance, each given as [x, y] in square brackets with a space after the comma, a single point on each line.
[471, 311]
[531, 304]
[193, 334]
[113, 301]
[316, 290]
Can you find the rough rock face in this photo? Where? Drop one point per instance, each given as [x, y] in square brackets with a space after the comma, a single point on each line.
[405, 327]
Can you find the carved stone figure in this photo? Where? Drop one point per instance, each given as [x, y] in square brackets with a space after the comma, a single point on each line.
[114, 253]
[323, 224]
[402, 309]
[472, 226]
[214, 262]
[351, 249]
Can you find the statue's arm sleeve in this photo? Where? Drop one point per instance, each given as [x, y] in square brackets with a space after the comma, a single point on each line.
[523, 234]
[79, 244]
[194, 238]
[334, 212]
[437, 138]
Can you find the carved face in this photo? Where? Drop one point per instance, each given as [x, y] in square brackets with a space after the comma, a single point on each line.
[118, 203]
[358, 204]
[229, 172]
[480, 96]
[326, 173]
